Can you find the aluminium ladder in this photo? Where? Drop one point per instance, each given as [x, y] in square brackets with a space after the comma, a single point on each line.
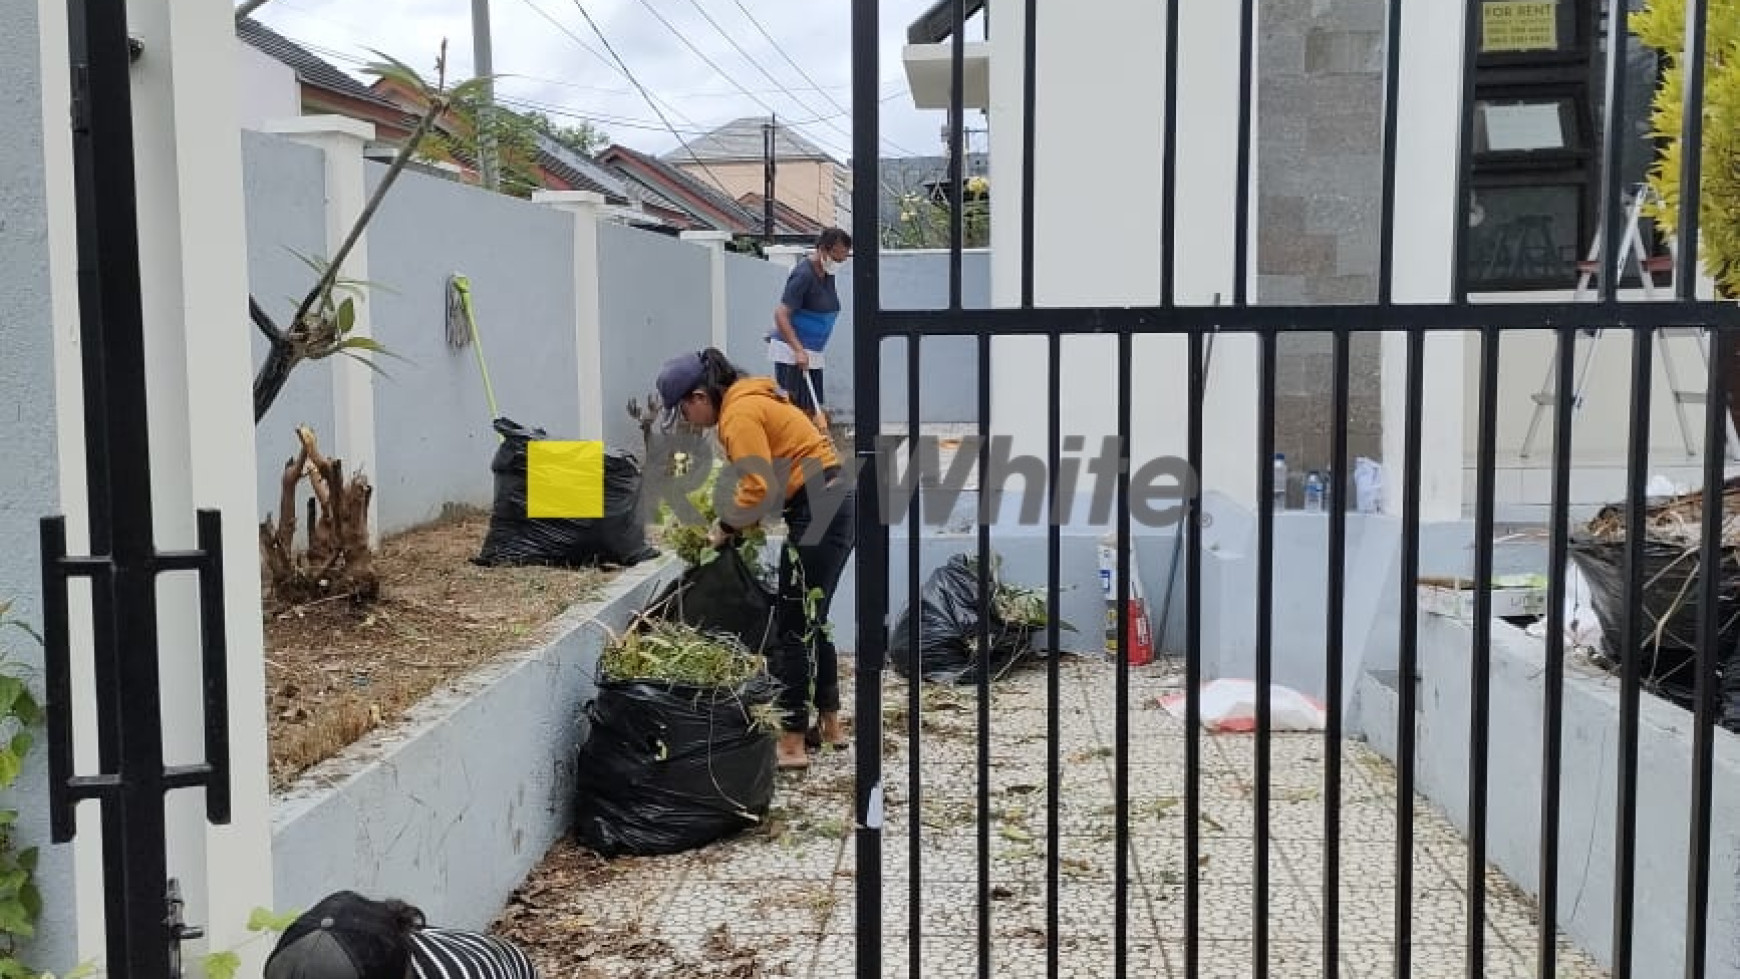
[1633, 249]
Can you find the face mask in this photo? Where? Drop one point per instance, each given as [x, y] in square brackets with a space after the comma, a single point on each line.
[829, 265]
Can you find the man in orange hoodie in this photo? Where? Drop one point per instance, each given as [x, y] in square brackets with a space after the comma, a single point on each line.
[774, 447]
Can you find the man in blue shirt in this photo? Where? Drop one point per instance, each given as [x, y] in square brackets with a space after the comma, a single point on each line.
[805, 318]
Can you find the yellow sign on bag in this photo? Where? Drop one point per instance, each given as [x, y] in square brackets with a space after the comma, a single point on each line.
[1519, 25]
[565, 480]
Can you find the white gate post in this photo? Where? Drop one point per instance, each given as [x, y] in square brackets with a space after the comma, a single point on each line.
[199, 369]
[714, 242]
[586, 206]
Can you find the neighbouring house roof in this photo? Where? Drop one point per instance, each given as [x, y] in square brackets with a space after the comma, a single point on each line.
[742, 139]
[385, 104]
[580, 173]
[708, 205]
[310, 68]
[787, 220]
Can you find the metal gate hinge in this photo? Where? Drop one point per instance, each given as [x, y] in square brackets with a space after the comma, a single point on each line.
[179, 931]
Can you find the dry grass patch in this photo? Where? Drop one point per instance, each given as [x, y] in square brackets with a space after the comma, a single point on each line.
[336, 671]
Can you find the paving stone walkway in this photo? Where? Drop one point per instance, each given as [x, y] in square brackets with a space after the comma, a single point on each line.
[780, 901]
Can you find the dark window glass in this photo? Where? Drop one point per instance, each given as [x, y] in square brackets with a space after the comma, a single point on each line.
[1522, 236]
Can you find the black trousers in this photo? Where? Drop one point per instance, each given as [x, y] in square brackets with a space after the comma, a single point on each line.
[806, 662]
[792, 381]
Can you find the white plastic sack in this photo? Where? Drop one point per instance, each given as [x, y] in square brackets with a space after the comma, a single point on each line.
[1231, 705]
[1660, 486]
[1582, 628]
[1368, 485]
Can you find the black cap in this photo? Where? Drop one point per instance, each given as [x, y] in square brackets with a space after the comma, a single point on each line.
[345, 936]
[678, 378]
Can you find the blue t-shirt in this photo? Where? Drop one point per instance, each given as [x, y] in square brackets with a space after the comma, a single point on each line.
[814, 303]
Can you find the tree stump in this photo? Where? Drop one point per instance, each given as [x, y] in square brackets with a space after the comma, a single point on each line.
[337, 562]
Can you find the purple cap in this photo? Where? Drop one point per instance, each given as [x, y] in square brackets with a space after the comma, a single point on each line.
[678, 378]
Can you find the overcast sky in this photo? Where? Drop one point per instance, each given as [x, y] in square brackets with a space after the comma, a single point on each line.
[762, 49]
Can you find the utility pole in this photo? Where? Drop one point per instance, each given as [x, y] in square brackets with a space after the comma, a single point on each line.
[767, 137]
[484, 68]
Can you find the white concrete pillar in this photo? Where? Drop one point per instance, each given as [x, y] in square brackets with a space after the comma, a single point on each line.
[786, 256]
[70, 451]
[199, 369]
[342, 140]
[714, 242]
[1426, 208]
[586, 206]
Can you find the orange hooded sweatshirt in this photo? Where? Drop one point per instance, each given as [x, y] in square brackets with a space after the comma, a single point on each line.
[756, 421]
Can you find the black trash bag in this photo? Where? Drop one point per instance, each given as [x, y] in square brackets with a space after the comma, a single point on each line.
[618, 537]
[671, 768]
[949, 628]
[725, 596]
[1670, 615]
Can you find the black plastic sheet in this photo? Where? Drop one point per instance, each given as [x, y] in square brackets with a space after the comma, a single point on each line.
[671, 768]
[948, 624]
[1667, 653]
[618, 537]
[723, 596]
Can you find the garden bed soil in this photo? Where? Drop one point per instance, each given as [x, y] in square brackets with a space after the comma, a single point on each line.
[336, 671]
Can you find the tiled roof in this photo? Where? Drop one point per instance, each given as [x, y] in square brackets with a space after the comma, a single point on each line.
[742, 139]
[580, 172]
[667, 180]
[309, 68]
[787, 220]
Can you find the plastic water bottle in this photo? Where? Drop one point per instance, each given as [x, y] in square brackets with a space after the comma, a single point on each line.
[1279, 489]
[1314, 493]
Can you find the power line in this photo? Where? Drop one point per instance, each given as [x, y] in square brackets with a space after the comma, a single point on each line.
[649, 99]
[806, 75]
[552, 106]
[827, 144]
[703, 56]
[765, 73]
[575, 112]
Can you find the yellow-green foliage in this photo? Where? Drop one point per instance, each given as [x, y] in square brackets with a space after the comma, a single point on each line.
[1661, 25]
[690, 540]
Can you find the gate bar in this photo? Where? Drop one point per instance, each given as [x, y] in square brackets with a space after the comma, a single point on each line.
[1552, 712]
[1709, 651]
[1053, 542]
[914, 698]
[1642, 348]
[1715, 454]
[984, 678]
[1407, 679]
[1612, 230]
[1480, 666]
[1193, 665]
[1054, 659]
[871, 543]
[1121, 770]
[1265, 507]
[1333, 618]
[1193, 514]
[1314, 318]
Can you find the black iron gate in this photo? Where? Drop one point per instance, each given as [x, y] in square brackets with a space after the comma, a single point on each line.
[882, 884]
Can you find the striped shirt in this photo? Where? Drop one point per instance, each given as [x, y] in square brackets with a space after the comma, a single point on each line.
[439, 953]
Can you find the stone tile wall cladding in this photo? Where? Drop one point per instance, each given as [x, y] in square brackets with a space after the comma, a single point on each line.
[1320, 154]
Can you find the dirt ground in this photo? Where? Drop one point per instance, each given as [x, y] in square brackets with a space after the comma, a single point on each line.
[334, 672]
